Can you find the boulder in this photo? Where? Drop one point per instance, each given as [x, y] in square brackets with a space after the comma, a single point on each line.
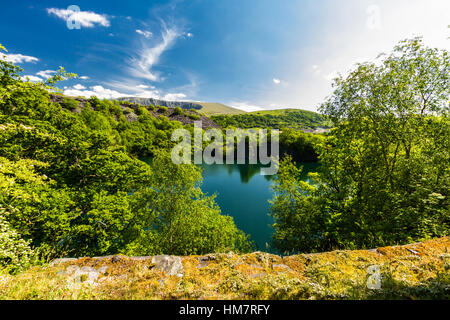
[170, 264]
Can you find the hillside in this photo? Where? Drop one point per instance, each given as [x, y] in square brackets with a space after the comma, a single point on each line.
[207, 108]
[415, 271]
[131, 112]
[275, 119]
[212, 108]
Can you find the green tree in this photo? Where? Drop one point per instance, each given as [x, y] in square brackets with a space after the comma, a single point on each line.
[178, 218]
[384, 175]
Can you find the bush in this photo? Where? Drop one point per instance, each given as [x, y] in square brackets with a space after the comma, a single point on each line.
[15, 253]
[127, 110]
[178, 111]
[141, 110]
[194, 116]
[70, 104]
[162, 109]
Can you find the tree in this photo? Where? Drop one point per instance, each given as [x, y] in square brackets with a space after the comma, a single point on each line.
[177, 218]
[384, 175]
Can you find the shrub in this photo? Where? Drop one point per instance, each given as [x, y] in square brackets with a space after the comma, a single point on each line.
[178, 111]
[141, 110]
[162, 109]
[127, 110]
[194, 116]
[69, 103]
[15, 253]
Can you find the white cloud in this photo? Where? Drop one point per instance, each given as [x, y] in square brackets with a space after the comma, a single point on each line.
[46, 73]
[146, 34]
[174, 96]
[331, 76]
[276, 81]
[87, 19]
[19, 58]
[141, 66]
[123, 90]
[31, 78]
[79, 87]
[189, 35]
[99, 91]
[84, 77]
[245, 106]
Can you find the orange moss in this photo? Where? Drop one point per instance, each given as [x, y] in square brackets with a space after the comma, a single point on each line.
[409, 271]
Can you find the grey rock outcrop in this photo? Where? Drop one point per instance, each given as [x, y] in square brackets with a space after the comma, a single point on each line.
[170, 264]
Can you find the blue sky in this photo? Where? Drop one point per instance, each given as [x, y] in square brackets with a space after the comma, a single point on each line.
[248, 54]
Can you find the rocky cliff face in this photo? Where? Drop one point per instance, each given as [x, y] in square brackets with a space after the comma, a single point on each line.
[165, 103]
[415, 271]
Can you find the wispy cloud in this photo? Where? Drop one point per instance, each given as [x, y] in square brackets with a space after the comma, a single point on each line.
[87, 19]
[19, 58]
[142, 65]
[46, 73]
[276, 80]
[144, 33]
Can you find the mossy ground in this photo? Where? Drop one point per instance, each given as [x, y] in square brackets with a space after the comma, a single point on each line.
[415, 271]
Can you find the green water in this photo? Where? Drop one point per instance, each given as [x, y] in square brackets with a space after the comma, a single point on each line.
[243, 194]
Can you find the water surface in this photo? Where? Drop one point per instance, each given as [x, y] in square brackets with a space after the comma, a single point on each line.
[243, 194]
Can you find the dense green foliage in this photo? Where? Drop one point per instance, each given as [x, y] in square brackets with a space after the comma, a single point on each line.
[71, 183]
[275, 119]
[301, 146]
[384, 175]
[15, 253]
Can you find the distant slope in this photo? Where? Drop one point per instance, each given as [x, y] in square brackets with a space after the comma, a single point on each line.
[275, 119]
[212, 108]
[207, 108]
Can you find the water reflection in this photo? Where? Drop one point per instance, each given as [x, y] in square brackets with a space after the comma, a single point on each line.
[243, 194]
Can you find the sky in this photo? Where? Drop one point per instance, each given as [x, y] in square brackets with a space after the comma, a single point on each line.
[250, 54]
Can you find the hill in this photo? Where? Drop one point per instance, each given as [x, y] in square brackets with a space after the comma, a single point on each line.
[207, 108]
[415, 271]
[131, 109]
[213, 108]
[275, 119]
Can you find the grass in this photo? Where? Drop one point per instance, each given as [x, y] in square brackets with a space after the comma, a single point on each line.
[416, 271]
[212, 108]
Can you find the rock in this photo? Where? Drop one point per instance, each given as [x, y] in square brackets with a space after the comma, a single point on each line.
[72, 269]
[281, 266]
[60, 261]
[412, 251]
[143, 258]
[202, 264]
[208, 257]
[170, 264]
[102, 269]
[116, 259]
[86, 275]
[258, 275]
[87, 269]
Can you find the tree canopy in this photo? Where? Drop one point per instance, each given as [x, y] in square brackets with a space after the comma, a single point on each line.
[384, 176]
